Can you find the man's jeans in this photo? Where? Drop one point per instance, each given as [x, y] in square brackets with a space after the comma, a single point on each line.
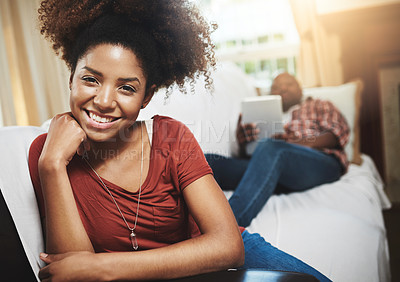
[273, 164]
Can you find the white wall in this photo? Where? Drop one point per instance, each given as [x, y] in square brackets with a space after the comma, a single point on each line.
[331, 6]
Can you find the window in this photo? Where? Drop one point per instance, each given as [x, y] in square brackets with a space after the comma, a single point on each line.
[258, 35]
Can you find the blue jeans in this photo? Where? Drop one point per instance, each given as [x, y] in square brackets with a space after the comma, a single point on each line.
[261, 254]
[274, 163]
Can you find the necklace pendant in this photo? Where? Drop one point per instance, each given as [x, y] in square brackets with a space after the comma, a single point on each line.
[135, 245]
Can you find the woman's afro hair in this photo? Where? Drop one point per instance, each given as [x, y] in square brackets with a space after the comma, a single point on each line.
[178, 37]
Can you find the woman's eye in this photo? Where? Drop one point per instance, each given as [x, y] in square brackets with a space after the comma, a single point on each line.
[89, 79]
[128, 88]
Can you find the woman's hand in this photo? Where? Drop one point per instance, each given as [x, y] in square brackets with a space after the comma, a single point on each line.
[64, 139]
[72, 266]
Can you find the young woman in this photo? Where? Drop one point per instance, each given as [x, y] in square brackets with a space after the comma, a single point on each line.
[123, 199]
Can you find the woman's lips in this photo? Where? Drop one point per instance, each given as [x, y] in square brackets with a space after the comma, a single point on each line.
[100, 121]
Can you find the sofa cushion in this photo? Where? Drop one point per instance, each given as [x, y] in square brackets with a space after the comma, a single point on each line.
[17, 190]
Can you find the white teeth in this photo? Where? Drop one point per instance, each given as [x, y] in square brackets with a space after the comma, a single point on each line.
[99, 119]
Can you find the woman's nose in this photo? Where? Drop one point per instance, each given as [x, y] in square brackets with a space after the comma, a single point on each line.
[105, 98]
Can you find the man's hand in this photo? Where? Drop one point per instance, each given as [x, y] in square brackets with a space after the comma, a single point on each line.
[245, 133]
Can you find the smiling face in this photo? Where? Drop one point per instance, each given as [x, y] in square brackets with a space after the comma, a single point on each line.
[108, 89]
[288, 88]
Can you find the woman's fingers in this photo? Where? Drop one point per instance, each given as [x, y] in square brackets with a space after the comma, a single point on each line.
[67, 266]
[49, 258]
[44, 274]
[64, 139]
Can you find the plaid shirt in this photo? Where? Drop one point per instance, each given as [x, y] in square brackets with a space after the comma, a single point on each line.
[314, 117]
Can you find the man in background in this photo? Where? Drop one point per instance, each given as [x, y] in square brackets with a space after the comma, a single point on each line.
[309, 153]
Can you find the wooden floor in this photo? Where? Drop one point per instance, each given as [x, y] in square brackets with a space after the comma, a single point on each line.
[392, 222]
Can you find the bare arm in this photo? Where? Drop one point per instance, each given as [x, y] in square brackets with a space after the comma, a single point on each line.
[63, 226]
[219, 247]
[326, 140]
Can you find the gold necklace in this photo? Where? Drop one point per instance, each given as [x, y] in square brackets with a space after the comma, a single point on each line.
[132, 235]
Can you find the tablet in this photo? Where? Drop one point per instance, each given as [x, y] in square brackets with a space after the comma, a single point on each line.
[266, 113]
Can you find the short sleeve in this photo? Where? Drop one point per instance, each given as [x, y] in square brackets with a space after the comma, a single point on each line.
[34, 153]
[186, 161]
[191, 162]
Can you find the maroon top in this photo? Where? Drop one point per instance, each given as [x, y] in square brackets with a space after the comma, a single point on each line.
[176, 160]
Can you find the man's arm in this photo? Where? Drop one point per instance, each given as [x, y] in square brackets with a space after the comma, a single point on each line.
[326, 140]
[329, 126]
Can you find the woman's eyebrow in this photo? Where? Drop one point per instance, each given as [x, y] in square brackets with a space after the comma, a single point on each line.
[128, 79]
[93, 71]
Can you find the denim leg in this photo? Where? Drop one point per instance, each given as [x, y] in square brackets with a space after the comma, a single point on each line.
[308, 169]
[227, 171]
[295, 167]
[261, 254]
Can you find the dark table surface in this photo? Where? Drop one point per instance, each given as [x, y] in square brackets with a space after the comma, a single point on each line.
[249, 275]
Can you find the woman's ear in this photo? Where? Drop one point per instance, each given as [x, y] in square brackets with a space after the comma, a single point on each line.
[70, 80]
[148, 96]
